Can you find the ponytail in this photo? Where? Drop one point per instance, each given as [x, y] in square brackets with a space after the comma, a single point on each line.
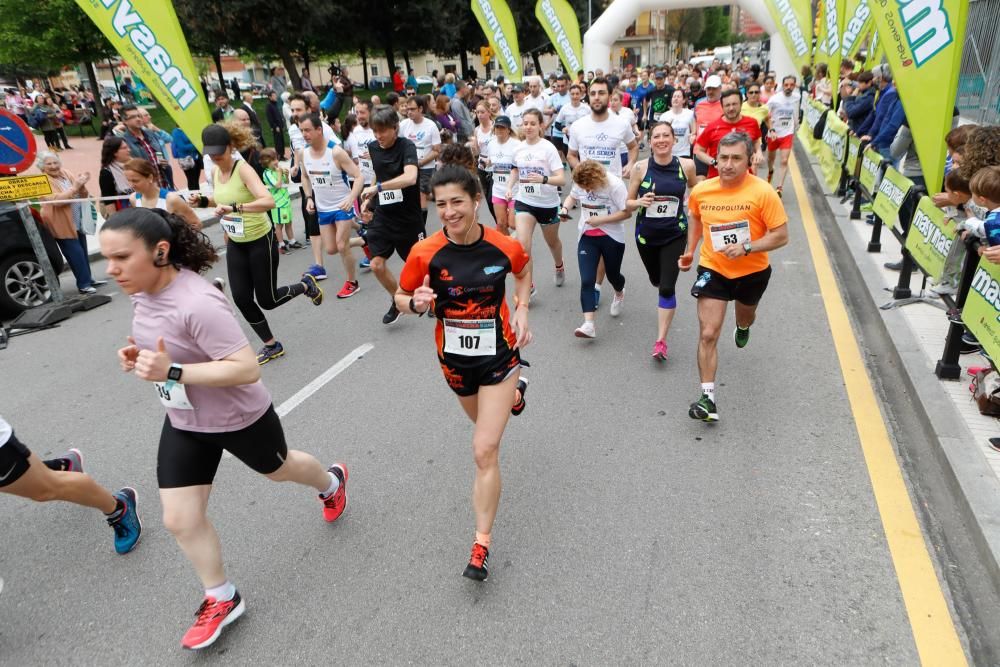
[189, 247]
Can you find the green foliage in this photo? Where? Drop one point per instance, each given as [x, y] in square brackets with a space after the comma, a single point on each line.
[716, 32]
[685, 25]
[42, 36]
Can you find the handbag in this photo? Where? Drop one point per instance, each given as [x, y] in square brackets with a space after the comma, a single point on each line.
[985, 389]
[186, 162]
[89, 217]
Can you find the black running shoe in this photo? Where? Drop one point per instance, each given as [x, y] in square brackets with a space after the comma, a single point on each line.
[520, 404]
[478, 567]
[391, 315]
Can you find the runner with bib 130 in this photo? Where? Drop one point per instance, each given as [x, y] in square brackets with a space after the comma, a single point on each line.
[461, 272]
[742, 219]
[187, 344]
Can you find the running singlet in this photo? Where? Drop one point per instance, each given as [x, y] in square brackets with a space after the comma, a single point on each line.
[473, 321]
[606, 201]
[681, 124]
[599, 140]
[197, 325]
[501, 161]
[665, 220]
[539, 158]
[241, 227]
[329, 182]
[483, 141]
[709, 139]
[424, 136]
[357, 145]
[161, 202]
[784, 110]
[735, 215]
[398, 210]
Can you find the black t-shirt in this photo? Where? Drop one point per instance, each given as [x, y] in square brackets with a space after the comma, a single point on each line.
[388, 163]
[659, 100]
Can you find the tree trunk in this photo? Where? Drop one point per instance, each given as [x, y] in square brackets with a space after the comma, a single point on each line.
[304, 54]
[217, 57]
[290, 69]
[463, 61]
[95, 85]
[538, 63]
[114, 77]
[364, 64]
[406, 59]
[390, 60]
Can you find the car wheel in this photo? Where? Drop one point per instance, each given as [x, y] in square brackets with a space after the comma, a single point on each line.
[22, 283]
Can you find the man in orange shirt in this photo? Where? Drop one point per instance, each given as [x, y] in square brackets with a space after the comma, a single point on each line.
[742, 218]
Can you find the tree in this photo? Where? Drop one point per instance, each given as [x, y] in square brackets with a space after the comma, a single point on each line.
[42, 36]
[716, 32]
[685, 25]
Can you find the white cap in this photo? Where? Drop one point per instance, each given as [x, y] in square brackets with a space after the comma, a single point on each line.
[713, 82]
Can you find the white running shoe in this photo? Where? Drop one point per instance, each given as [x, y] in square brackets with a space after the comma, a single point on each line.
[616, 303]
[585, 330]
[560, 276]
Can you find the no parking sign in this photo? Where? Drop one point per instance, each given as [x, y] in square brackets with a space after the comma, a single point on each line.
[17, 144]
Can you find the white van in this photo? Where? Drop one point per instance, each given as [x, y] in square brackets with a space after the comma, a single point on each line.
[724, 54]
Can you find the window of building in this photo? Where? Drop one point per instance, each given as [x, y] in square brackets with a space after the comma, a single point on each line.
[374, 69]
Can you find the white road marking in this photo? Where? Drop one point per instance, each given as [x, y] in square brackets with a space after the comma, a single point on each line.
[302, 394]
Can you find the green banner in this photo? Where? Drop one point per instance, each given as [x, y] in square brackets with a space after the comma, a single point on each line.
[794, 20]
[853, 154]
[148, 37]
[981, 312]
[875, 51]
[923, 43]
[559, 22]
[497, 22]
[819, 46]
[811, 114]
[891, 193]
[834, 18]
[833, 150]
[871, 162]
[859, 24]
[930, 237]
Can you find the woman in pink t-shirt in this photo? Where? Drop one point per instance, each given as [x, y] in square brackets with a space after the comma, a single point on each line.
[187, 343]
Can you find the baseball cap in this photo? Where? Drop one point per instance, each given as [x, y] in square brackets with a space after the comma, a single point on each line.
[518, 88]
[502, 121]
[660, 75]
[216, 140]
[713, 82]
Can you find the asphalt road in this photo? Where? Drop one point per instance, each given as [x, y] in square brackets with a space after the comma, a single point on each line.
[627, 532]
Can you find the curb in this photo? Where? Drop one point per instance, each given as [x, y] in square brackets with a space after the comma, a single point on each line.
[969, 478]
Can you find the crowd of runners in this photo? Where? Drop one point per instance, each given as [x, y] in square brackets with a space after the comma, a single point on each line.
[520, 157]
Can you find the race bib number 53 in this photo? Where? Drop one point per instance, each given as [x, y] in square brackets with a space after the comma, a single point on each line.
[729, 233]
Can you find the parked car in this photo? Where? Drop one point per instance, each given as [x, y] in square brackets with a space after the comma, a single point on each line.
[22, 282]
[425, 81]
[379, 82]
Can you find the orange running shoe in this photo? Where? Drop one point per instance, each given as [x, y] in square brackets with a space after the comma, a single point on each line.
[210, 618]
[478, 567]
[334, 505]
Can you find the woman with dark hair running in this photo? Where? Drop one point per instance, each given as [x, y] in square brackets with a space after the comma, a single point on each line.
[186, 342]
[242, 201]
[461, 273]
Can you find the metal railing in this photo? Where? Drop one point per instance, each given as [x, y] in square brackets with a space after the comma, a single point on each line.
[979, 76]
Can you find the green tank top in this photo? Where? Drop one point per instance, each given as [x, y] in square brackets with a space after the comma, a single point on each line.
[281, 196]
[241, 227]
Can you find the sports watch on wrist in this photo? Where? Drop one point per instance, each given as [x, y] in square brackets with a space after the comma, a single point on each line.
[747, 247]
[173, 376]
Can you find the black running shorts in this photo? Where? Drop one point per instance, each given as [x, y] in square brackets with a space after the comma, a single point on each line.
[466, 380]
[382, 242]
[13, 461]
[188, 458]
[700, 168]
[543, 215]
[746, 289]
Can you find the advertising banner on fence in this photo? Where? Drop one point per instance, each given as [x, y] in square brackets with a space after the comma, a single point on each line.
[559, 22]
[497, 22]
[923, 43]
[891, 193]
[853, 155]
[147, 35]
[833, 150]
[871, 162]
[930, 237]
[981, 312]
[812, 112]
[794, 20]
[859, 24]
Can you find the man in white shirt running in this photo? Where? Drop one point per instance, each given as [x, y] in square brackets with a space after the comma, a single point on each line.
[784, 112]
[596, 137]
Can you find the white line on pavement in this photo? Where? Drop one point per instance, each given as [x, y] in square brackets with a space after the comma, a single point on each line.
[317, 384]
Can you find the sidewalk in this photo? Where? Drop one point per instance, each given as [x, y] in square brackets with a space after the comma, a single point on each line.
[918, 332]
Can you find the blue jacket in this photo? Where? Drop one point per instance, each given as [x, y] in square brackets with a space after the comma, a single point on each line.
[183, 146]
[883, 109]
[136, 148]
[859, 108]
[886, 131]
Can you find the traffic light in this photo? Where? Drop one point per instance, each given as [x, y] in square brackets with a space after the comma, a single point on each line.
[485, 54]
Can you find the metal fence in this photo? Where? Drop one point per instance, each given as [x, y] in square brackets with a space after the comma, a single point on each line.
[979, 77]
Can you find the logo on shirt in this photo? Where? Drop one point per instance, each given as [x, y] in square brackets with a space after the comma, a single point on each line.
[490, 270]
[445, 276]
[602, 137]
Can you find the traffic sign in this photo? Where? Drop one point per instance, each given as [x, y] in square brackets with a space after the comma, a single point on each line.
[24, 187]
[17, 144]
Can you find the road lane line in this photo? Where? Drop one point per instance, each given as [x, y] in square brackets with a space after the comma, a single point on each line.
[930, 618]
[302, 394]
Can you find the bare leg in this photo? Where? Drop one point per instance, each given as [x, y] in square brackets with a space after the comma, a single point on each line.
[302, 468]
[525, 228]
[185, 516]
[711, 314]
[551, 234]
[745, 315]
[384, 275]
[344, 230]
[664, 316]
[42, 484]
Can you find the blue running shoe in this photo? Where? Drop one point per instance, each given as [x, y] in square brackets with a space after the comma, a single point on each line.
[269, 352]
[365, 264]
[316, 271]
[127, 526]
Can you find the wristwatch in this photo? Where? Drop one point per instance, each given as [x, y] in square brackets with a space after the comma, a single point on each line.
[413, 307]
[378, 186]
[173, 376]
[545, 179]
[747, 247]
[714, 162]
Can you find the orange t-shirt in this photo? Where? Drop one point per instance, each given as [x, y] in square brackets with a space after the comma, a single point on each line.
[734, 215]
